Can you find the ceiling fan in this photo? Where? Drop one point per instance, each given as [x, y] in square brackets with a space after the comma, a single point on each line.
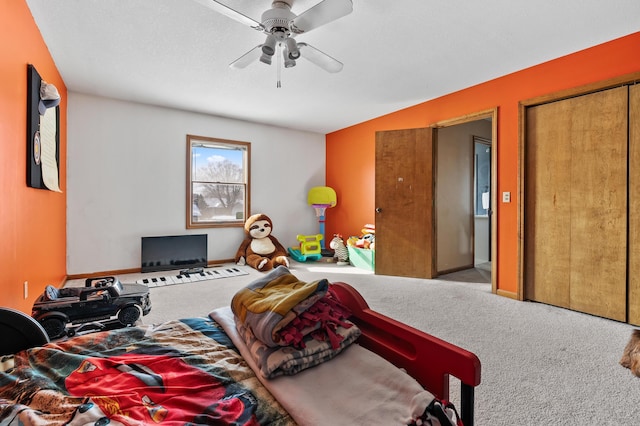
[281, 25]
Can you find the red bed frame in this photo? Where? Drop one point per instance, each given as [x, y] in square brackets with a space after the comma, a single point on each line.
[426, 358]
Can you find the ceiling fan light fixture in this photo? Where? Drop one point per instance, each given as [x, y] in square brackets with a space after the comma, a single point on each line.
[292, 47]
[289, 62]
[265, 59]
[269, 46]
[281, 25]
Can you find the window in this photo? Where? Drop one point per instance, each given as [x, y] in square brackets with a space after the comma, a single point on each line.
[217, 182]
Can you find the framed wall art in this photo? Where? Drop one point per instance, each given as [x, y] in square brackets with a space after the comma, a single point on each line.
[43, 137]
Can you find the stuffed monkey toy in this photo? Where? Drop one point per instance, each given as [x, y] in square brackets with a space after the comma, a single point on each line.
[260, 249]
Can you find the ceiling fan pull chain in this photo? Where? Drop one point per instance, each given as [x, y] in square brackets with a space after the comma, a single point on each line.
[278, 84]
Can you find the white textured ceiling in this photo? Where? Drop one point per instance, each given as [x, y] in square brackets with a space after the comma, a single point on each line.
[175, 53]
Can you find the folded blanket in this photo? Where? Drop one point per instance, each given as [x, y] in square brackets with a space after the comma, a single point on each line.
[320, 321]
[287, 360]
[271, 302]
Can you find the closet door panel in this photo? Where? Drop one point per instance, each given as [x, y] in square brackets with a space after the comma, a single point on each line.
[547, 205]
[598, 230]
[634, 206]
[576, 203]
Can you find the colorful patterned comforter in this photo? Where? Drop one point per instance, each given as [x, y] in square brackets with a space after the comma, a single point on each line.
[178, 372]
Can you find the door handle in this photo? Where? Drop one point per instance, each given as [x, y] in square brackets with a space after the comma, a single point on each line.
[378, 210]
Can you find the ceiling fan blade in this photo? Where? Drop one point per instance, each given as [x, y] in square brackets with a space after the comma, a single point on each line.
[319, 58]
[231, 13]
[249, 57]
[320, 14]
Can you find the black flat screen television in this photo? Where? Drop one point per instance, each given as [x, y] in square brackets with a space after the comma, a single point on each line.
[174, 252]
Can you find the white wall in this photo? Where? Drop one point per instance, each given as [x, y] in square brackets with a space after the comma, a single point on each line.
[126, 179]
[454, 198]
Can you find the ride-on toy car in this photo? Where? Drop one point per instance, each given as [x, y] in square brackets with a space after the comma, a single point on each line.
[102, 301]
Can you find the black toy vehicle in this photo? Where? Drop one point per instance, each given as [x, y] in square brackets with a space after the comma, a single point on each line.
[102, 301]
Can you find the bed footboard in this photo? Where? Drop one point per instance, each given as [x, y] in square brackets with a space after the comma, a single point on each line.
[426, 358]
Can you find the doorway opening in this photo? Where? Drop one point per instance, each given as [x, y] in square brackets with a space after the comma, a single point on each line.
[464, 193]
[482, 205]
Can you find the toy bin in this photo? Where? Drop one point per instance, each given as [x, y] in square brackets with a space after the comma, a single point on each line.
[362, 258]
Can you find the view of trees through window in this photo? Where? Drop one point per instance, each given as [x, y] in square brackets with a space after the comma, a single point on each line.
[218, 182]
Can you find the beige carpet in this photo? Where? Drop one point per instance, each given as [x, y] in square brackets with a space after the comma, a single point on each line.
[540, 364]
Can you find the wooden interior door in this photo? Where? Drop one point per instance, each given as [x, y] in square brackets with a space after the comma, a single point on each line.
[404, 203]
[576, 203]
[634, 206]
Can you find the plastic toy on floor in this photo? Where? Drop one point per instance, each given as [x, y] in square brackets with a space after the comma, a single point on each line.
[103, 302]
[322, 198]
[309, 248]
[341, 254]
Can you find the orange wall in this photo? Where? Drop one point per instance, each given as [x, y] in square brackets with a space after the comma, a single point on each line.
[32, 221]
[351, 151]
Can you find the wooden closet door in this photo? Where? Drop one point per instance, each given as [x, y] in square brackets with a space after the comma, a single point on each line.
[579, 203]
[599, 204]
[634, 206]
[548, 204]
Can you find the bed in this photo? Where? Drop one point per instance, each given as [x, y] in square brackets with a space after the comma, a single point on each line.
[192, 371]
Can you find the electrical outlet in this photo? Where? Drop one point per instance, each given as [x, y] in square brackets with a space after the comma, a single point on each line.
[26, 289]
[506, 197]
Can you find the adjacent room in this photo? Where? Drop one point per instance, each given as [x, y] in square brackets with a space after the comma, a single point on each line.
[457, 183]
